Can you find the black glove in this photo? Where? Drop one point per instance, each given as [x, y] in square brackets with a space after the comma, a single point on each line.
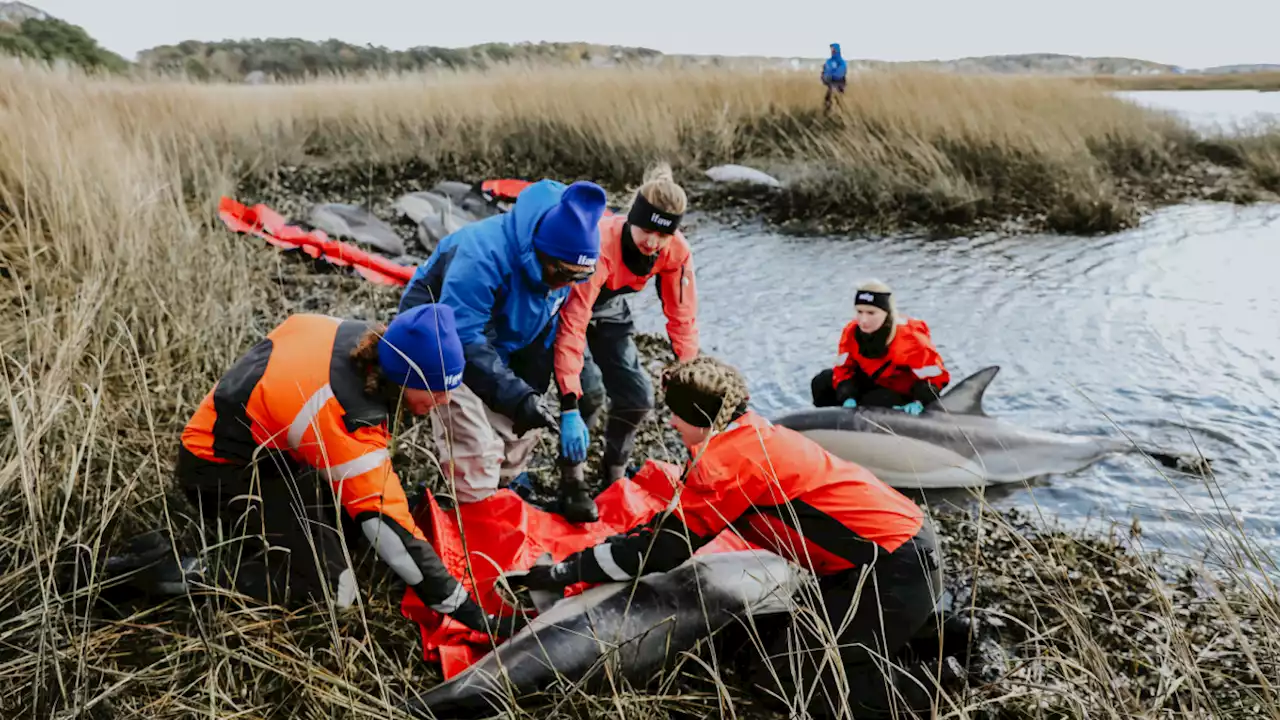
[531, 415]
[475, 618]
[504, 626]
[539, 577]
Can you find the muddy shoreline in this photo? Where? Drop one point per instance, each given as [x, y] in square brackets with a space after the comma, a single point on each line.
[1038, 597]
[815, 204]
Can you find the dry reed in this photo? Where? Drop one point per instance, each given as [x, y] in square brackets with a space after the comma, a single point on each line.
[123, 301]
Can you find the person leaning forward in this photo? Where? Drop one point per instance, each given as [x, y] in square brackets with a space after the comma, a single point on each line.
[506, 277]
[595, 351]
[785, 493]
[291, 446]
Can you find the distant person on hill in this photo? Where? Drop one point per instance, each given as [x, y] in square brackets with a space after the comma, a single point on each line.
[833, 75]
[886, 359]
[595, 355]
[506, 278]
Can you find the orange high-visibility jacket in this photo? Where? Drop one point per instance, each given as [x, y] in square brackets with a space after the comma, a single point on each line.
[780, 491]
[911, 358]
[298, 393]
[673, 269]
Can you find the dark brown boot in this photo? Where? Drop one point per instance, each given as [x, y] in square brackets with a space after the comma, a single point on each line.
[576, 505]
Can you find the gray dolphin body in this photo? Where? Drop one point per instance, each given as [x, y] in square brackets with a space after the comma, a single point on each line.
[619, 631]
[955, 444]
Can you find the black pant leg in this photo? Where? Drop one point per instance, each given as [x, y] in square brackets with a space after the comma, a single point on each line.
[895, 600]
[824, 393]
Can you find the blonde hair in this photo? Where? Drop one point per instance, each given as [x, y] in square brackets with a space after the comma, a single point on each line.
[662, 191]
[707, 375]
[877, 286]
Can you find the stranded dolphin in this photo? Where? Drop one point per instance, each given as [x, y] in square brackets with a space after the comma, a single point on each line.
[637, 630]
[955, 444]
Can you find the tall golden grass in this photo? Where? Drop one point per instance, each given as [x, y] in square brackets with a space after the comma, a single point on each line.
[122, 302]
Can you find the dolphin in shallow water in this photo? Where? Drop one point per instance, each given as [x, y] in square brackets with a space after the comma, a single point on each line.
[955, 444]
[618, 631]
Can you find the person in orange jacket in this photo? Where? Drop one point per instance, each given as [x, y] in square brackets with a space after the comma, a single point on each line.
[290, 447]
[785, 493]
[595, 354]
[886, 359]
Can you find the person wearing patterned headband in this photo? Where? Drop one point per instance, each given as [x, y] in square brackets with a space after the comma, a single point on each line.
[595, 354]
[874, 551]
[886, 359]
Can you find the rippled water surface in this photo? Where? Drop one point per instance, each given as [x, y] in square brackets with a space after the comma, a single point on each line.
[1170, 331]
[1212, 110]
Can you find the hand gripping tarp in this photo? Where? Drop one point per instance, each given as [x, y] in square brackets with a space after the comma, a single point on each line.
[504, 533]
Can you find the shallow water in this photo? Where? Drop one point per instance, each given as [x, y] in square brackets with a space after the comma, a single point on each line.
[1213, 110]
[1171, 331]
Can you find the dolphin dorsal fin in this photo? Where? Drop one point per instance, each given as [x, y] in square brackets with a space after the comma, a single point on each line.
[544, 599]
[966, 397]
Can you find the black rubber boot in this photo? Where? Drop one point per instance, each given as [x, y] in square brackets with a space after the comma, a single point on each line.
[576, 505]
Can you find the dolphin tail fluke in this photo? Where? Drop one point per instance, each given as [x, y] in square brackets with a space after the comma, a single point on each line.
[965, 398]
[1196, 464]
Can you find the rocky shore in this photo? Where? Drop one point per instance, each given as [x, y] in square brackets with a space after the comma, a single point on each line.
[1064, 623]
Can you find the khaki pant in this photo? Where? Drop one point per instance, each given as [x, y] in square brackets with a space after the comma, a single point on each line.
[479, 452]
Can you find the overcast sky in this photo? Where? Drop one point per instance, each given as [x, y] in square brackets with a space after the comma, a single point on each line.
[1173, 31]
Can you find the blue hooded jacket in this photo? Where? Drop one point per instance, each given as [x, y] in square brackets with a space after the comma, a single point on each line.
[506, 315]
[834, 68]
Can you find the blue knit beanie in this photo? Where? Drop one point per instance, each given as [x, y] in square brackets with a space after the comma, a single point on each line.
[569, 230]
[421, 349]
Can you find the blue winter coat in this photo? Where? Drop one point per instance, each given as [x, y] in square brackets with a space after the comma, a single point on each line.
[834, 68]
[507, 316]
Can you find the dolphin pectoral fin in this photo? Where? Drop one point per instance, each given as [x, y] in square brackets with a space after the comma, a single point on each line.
[965, 398]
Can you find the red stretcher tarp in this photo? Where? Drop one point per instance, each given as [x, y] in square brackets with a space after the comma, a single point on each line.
[269, 225]
[505, 533]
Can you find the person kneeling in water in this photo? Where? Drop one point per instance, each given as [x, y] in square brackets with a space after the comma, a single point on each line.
[886, 360]
[288, 451]
[785, 493]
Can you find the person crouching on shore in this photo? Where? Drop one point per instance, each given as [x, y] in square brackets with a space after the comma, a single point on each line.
[785, 493]
[886, 359]
[595, 350]
[507, 277]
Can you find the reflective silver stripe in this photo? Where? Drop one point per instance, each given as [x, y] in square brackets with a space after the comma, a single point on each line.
[359, 466]
[309, 410]
[454, 601]
[604, 558]
[346, 588]
[927, 372]
[390, 548]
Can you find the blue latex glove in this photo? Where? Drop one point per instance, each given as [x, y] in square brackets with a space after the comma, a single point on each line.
[911, 408]
[851, 403]
[573, 436]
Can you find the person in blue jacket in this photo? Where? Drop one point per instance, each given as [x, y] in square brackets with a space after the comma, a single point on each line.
[833, 75]
[506, 277]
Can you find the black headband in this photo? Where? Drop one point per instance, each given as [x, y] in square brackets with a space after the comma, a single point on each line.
[872, 298]
[645, 216]
[699, 409]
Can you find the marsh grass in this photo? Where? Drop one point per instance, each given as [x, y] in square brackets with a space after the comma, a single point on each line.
[122, 301]
[1266, 81]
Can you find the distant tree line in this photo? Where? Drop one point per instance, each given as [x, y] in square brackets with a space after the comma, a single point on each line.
[51, 39]
[288, 58]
